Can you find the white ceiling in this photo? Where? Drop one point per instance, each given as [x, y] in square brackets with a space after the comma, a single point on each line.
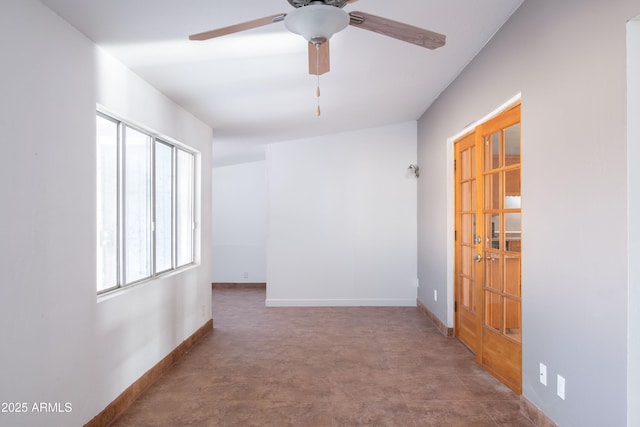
[253, 87]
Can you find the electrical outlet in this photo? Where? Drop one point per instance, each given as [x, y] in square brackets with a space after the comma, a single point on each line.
[435, 295]
[543, 374]
[561, 386]
[246, 275]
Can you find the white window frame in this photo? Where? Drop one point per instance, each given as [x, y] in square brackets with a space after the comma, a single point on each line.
[176, 147]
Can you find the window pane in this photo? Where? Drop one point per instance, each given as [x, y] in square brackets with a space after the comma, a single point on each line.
[185, 189]
[137, 194]
[164, 178]
[107, 209]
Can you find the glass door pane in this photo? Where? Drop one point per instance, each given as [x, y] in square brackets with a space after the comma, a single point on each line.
[492, 151]
[512, 319]
[492, 310]
[491, 194]
[512, 232]
[512, 285]
[512, 145]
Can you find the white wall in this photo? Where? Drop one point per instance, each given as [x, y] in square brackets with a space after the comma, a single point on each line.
[59, 342]
[633, 159]
[568, 59]
[342, 219]
[239, 223]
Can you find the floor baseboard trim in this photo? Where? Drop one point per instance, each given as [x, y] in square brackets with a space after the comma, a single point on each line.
[109, 414]
[224, 285]
[539, 418]
[446, 331]
[277, 302]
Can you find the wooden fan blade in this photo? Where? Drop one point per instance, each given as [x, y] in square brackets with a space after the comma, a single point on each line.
[238, 27]
[397, 30]
[319, 58]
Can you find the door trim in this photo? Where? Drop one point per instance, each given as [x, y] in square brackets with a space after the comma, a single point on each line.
[487, 355]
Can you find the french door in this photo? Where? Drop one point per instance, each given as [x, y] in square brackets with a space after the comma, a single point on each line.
[488, 244]
[466, 309]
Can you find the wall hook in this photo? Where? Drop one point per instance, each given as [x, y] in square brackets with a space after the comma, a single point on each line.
[415, 169]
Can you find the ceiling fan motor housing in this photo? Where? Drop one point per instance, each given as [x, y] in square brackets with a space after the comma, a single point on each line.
[301, 3]
[317, 22]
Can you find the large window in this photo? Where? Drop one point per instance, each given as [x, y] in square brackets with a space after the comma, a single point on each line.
[145, 207]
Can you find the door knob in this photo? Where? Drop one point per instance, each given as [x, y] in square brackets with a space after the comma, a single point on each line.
[477, 258]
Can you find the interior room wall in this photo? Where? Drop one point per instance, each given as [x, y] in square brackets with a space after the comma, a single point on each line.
[239, 223]
[633, 159]
[342, 219]
[60, 343]
[574, 196]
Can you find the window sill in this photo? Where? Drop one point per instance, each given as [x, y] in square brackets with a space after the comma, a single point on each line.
[108, 295]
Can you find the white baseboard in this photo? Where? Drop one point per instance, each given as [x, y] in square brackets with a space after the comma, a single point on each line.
[276, 302]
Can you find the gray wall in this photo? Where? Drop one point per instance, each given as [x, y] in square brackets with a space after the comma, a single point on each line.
[568, 60]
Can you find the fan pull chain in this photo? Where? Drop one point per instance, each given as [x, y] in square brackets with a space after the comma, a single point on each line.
[318, 78]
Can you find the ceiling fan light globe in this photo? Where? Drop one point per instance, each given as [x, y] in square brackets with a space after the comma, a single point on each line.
[316, 22]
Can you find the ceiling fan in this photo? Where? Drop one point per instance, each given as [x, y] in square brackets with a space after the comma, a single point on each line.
[317, 21]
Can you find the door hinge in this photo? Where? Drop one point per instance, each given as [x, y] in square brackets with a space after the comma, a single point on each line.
[454, 164]
[455, 235]
[455, 306]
